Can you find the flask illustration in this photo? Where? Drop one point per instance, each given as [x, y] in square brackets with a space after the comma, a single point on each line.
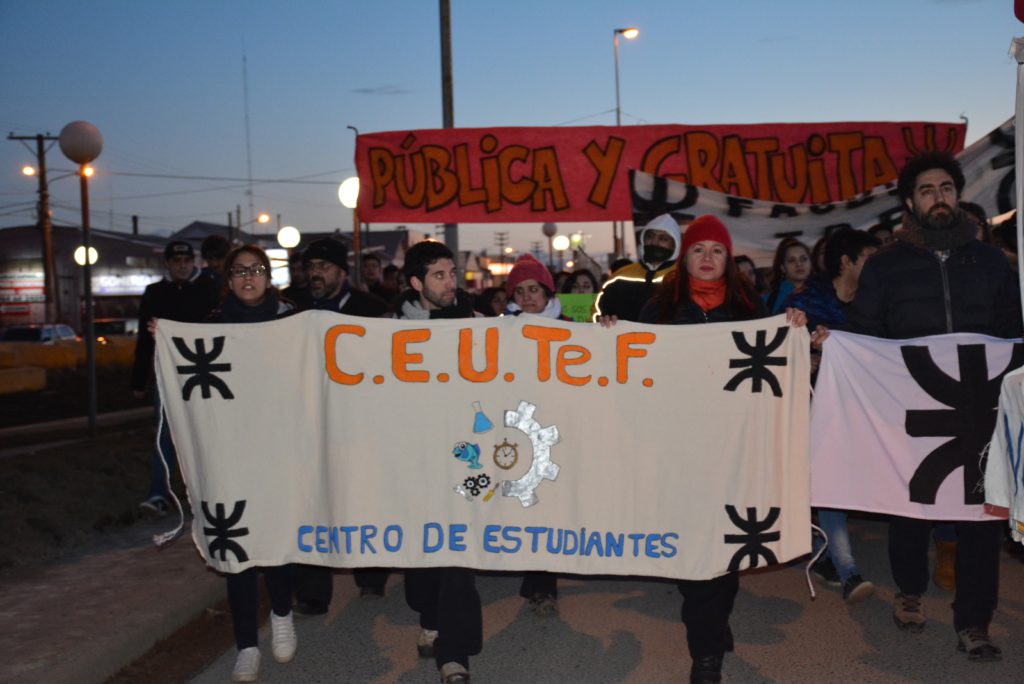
[481, 423]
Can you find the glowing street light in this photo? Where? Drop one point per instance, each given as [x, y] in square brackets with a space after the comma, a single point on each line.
[348, 192]
[263, 218]
[79, 255]
[289, 237]
[28, 170]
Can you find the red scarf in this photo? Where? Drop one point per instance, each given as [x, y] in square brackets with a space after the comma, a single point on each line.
[706, 294]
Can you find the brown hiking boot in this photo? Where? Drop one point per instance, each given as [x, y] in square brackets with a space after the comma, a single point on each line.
[944, 574]
[908, 613]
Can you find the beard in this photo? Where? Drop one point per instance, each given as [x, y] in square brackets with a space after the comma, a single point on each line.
[439, 299]
[940, 217]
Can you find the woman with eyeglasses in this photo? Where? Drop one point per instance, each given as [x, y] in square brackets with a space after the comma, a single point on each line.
[250, 298]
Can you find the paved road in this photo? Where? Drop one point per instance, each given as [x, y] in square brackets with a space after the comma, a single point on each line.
[629, 631]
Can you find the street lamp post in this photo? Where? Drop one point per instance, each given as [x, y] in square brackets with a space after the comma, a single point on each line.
[629, 34]
[549, 230]
[348, 195]
[81, 142]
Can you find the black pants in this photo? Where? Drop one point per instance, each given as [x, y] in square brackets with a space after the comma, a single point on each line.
[707, 605]
[314, 584]
[539, 583]
[447, 600]
[977, 565]
[243, 597]
[371, 578]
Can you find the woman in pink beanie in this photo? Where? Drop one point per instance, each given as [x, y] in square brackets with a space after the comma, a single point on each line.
[531, 289]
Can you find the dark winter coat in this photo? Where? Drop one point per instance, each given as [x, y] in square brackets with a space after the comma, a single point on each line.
[688, 312]
[909, 291]
[352, 303]
[187, 302]
[232, 310]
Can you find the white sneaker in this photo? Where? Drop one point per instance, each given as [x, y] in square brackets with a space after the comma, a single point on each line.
[247, 665]
[283, 640]
[425, 644]
[454, 673]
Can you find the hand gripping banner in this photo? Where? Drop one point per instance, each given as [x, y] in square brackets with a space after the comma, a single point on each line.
[512, 443]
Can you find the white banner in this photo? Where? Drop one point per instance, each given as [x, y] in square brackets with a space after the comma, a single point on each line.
[1004, 476]
[516, 443]
[901, 426]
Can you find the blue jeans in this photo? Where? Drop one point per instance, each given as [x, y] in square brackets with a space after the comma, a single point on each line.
[944, 532]
[833, 524]
[160, 475]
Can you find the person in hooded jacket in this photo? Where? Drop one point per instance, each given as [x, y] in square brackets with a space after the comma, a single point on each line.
[629, 288]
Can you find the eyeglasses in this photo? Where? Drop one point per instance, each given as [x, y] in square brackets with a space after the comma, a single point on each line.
[256, 271]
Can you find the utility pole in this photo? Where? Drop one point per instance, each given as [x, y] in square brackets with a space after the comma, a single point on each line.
[501, 240]
[451, 230]
[51, 291]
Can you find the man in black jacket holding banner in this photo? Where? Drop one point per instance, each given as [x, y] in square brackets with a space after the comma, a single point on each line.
[937, 278]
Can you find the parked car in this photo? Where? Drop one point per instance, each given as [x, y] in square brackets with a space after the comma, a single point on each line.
[45, 333]
[106, 327]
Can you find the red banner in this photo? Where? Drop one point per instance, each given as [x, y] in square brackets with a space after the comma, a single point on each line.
[580, 173]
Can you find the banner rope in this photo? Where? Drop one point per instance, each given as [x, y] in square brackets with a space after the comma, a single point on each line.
[815, 557]
[161, 539]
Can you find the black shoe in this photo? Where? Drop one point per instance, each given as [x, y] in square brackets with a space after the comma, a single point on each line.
[309, 608]
[730, 643]
[706, 670]
[856, 589]
[826, 572]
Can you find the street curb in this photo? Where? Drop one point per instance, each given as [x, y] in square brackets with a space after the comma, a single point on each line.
[79, 423]
[86, 618]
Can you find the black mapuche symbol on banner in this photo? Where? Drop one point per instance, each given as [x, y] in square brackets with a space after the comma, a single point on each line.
[223, 531]
[755, 536]
[203, 371]
[759, 358]
[969, 420]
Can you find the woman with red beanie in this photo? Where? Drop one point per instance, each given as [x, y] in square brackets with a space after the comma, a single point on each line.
[531, 289]
[706, 287]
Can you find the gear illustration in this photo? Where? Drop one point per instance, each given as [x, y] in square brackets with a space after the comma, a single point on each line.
[542, 468]
[483, 481]
[471, 484]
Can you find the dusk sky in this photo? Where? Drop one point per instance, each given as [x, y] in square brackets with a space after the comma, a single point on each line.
[163, 83]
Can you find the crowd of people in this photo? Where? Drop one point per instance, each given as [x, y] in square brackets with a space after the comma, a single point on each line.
[934, 274]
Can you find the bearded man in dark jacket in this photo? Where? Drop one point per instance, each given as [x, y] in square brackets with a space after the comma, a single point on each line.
[938, 278]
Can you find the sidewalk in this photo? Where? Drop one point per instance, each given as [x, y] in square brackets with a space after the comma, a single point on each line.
[84, 617]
